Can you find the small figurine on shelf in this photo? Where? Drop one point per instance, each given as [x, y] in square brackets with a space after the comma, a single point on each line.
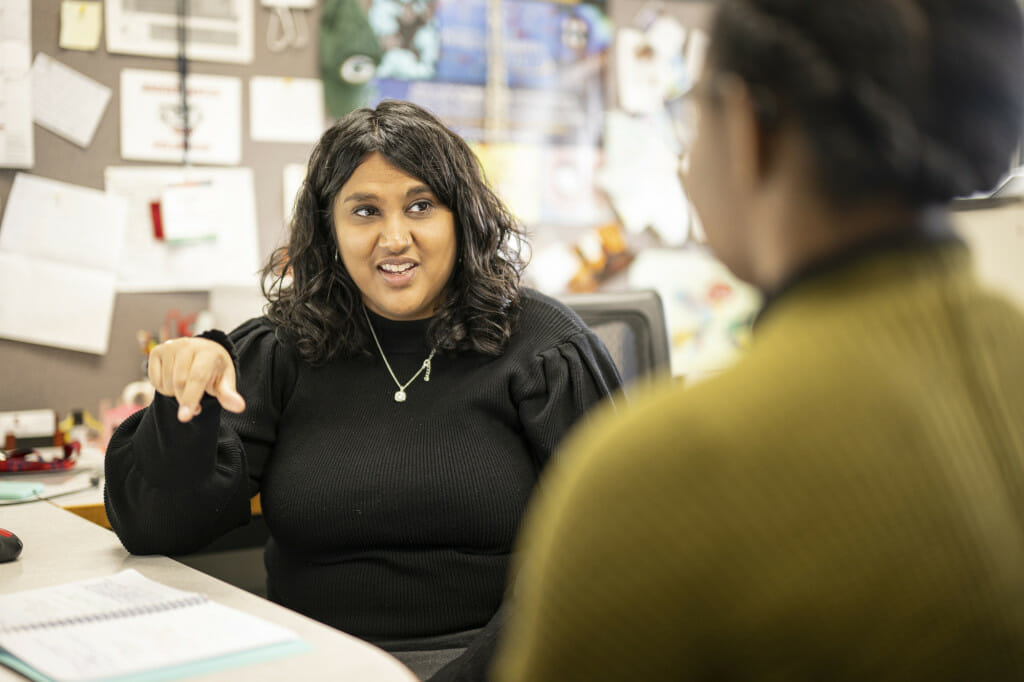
[79, 426]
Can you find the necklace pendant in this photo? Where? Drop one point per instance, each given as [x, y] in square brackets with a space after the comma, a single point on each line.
[399, 396]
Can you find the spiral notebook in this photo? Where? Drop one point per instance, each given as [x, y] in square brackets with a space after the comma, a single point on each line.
[128, 627]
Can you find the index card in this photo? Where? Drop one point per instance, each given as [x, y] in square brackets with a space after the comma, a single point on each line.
[66, 102]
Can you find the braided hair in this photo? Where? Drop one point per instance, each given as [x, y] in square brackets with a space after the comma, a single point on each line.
[921, 98]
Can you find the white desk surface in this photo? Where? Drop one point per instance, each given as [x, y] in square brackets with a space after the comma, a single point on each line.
[62, 547]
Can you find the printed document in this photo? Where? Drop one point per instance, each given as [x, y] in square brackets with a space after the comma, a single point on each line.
[217, 30]
[63, 222]
[60, 245]
[17, 147]
[55, 304]
[153, 122]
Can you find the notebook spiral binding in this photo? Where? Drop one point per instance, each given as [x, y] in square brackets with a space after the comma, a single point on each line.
[84, 619]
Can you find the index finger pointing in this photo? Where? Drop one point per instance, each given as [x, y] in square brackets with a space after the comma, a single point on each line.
[224, 389]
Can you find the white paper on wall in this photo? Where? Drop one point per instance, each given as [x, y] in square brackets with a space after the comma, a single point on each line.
[65, 101]
[17, 144]
[60, 245]
[217, 30]
[55, 304]
[153, 122]
[62, 222]
[151, 264]
[286, 109]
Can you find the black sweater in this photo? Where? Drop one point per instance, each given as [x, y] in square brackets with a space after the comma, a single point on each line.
[387, 520]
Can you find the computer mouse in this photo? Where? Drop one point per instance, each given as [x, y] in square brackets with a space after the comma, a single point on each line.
[10, 546]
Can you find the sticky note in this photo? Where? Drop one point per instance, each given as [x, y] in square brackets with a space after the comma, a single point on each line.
[80, 25]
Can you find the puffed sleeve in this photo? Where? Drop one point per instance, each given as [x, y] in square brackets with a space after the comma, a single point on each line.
[172, 487]
[560, 385]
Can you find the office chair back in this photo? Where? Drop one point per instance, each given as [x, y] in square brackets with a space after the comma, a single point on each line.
[632, 326]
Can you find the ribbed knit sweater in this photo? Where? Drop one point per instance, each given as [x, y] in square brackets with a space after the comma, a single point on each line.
[388, 520]
[845, 503]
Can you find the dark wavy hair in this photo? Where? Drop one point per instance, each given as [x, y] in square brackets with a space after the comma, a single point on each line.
[312, 297]
[920, 99]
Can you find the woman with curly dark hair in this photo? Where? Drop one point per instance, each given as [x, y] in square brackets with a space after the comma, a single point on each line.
[401, 393]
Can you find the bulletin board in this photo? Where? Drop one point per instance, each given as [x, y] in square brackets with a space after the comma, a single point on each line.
[37, 376]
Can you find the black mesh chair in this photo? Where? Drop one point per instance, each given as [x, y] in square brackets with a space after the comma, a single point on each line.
[632, 326]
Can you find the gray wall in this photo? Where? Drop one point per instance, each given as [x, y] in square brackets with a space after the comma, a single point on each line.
[33, 376]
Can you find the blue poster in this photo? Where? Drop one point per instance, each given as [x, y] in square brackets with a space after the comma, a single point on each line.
[543, 41]
[554, 53]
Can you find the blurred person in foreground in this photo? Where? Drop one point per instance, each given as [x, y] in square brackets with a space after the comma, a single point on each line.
[847, 501]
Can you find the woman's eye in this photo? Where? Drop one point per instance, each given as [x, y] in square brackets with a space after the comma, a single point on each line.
[420, 206]
[365, 211]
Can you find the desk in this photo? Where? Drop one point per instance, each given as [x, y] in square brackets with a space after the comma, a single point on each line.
[62, 547]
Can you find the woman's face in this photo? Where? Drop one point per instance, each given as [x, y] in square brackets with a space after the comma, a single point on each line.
[396, 240]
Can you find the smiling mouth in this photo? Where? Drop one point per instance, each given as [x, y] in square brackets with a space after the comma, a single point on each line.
[398, 274]
[396, 268]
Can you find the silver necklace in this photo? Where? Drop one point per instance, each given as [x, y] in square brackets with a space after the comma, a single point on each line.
[400, 393]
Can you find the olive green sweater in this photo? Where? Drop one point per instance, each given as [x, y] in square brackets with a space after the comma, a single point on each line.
[845, 503]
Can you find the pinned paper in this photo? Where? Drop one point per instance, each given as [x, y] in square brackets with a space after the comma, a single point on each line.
[151, 264]
[286, 109]
[218, 30]
[553, 267]
[65, 101]
[153, 122]
[190, 211]
[59, 249]
[62, 222]
[640, 177]
[80, 25]
[640, 78]
[56, 304]
[650, 64]
[17, 147]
